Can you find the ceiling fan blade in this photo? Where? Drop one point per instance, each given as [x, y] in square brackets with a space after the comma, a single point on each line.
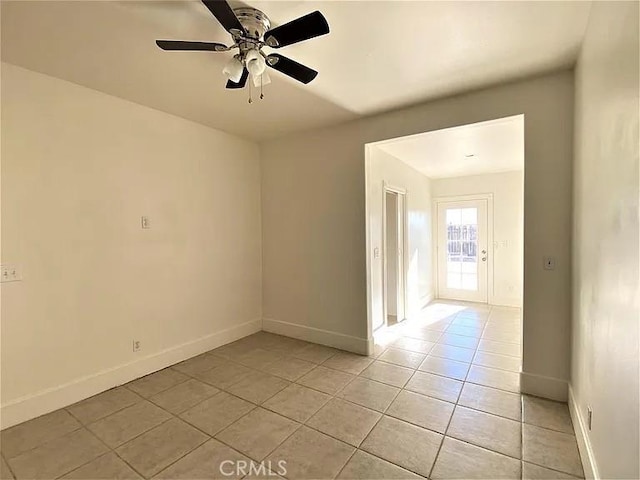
[291, 68]
[303, 28]
[223, 12]
[241, 83]
[191, 46]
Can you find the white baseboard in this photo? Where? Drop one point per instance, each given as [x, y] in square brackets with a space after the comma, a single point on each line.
[584, 443]
[427, 299]
[317, 335]
[545, 387]
[32, 406]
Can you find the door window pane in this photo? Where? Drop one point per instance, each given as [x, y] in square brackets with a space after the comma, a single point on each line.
[462, 248]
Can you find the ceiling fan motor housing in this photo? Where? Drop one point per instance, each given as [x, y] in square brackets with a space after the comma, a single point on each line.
[255, 22]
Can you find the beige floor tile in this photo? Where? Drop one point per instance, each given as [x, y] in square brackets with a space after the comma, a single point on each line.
[199, 364]
[421, 410]
[469, 322]
[103, 404]
[297, 402]
[387, 373]
[58, 456]
[345, 421]
[547, 414]
[234, 350]
[369, 393]
[5, 472]
[258, 358]
[459, 460]
[403, 444]
[495, 360]
[535, 472]
[413, 345]
[225, 375]
[495, 433]
[348, 362]
[459, 340]
[258, 387]
[404, 358]
[122, 426]
[551, 449]
[258, 433]
[504, 326]
[289, 368]
[158, 448]
[491, 400]
[157, 382]
[106, 467]
[430, 333]
[465, 330]
[435, 386]
[445, 367]
[28, 435]
[217, 413]
[475, 315]
[184, 395]
[326, 380]
[502, 336]
[495, 378]
[364, 466]
[259, 471]
[210, 460]
[285, 345]
[439, 325]
[312, 455]
[511, 349]
[454, 353]
[315, 353]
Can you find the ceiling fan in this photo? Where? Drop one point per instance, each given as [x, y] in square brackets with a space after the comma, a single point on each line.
[250, 30]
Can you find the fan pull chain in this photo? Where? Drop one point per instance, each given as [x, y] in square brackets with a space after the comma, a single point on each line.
[250, 100]
[261, 95]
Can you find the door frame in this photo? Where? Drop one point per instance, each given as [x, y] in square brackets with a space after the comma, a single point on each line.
[490, 245]
[402, 213]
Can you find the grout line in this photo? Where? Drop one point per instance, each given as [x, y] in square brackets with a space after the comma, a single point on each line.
[4, 459]
[435, 459]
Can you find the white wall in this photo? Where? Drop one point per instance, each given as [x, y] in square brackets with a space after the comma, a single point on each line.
[507, 254]
[604, 372]
[384, 168]
[314, 264]
[79, 168]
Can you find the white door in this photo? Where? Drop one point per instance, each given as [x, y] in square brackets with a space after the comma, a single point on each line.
[462, 250]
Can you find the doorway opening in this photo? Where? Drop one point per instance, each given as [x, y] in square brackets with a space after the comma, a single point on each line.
[449, 234]
[394, 235]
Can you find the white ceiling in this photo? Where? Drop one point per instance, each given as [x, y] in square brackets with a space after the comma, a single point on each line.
[478, 148]
[379, 55]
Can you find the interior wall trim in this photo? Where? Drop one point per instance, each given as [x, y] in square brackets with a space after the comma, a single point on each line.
[545, 387]
[587, 456]
[45, 401]
[349, 343]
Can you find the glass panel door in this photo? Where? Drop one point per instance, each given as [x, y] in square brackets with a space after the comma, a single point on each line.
[462, 241]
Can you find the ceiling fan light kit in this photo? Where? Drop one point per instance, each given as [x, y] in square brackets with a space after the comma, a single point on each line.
[250, 31]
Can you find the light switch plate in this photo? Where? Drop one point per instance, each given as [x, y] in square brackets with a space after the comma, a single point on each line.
[145, 223]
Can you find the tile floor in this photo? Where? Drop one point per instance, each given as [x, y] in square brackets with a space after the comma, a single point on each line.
[438, 399]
